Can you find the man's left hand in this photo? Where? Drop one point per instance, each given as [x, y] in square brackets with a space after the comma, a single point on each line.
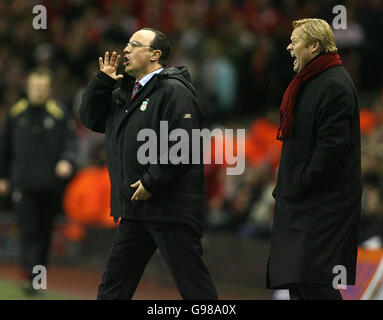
[141, 193]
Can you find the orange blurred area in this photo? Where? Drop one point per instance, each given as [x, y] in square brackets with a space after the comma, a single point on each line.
[370, 120]
[87, 201]
[261, 143]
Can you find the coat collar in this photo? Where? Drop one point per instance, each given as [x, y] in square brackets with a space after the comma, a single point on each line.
[147, 78]
[138, 99]
[140, 96]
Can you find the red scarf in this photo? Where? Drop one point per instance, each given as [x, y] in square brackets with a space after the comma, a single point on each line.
[317, 66]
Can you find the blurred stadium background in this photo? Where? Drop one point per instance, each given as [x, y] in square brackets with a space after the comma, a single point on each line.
[236, 53]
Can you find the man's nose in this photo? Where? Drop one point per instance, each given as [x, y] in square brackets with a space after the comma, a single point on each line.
[289, 47]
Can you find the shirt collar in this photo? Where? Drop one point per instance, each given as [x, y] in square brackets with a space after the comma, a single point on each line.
[146, 78]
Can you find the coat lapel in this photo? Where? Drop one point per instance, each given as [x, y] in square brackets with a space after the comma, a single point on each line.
[138, 99]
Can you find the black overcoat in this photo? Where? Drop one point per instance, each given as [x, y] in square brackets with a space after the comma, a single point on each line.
[318, 192]
[178, 190]
[34, 139]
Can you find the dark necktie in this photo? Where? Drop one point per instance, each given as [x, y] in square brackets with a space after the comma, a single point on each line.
[136, 88]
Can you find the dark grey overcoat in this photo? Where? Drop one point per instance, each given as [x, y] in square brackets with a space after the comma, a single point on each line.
[318, 192]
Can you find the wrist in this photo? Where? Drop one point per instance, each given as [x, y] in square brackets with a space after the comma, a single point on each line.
[106, 78]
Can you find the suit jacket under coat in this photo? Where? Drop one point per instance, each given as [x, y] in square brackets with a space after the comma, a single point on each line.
[318, 192]
[178, 191]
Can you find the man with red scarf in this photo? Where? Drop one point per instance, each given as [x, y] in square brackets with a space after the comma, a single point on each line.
[318, 192]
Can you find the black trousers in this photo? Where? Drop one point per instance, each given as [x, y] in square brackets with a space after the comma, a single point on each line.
[135, 243]
[35, 214]
[305, 291]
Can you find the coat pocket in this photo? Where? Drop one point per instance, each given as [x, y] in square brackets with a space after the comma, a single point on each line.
[299, 176]
[292, 188]
[295, 214]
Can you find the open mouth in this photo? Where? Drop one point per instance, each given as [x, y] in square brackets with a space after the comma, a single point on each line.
[295, 59]
[126, 61]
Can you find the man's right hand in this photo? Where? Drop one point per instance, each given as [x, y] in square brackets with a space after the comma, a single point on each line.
[110, 66]
[4, 187]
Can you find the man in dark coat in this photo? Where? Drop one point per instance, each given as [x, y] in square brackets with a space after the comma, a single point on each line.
[318, 192]
[38, 152]
[160, 203]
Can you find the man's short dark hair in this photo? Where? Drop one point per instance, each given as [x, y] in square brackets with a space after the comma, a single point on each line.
[160, 42]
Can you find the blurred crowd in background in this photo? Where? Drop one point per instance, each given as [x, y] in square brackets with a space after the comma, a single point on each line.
[236, 53]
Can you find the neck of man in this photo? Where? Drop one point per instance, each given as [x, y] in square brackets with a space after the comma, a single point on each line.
[316, 55]
[150, 69]
[37, 103]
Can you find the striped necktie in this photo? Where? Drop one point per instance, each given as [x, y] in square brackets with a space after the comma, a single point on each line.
[136, 88]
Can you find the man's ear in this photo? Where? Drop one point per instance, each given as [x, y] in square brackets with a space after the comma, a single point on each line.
[156, 54]
[315, 47]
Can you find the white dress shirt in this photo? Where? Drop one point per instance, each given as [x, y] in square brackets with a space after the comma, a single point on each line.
[146, 78]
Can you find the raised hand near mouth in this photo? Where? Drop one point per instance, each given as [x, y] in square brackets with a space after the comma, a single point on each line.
[110, 66]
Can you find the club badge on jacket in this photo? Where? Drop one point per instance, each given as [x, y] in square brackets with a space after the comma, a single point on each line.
[144, 104]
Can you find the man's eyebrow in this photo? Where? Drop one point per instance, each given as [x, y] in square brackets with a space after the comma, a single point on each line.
[130, 41]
